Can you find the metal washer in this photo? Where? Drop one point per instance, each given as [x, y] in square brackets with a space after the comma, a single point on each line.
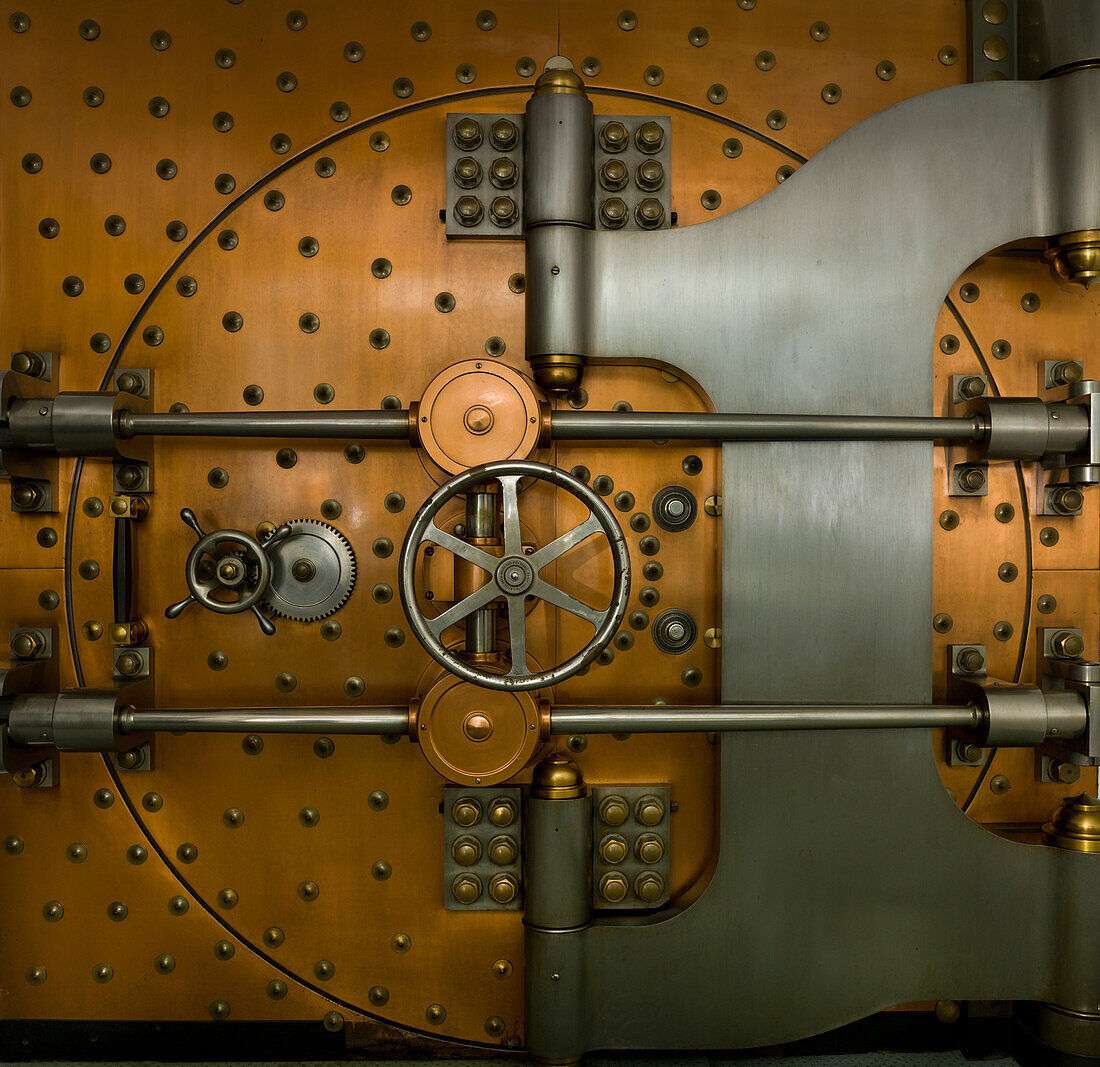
[332, 561]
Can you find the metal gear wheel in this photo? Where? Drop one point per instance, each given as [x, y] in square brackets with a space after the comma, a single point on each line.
[312, 572]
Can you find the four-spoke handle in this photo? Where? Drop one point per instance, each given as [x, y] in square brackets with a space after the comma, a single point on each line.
[514, 575]
[228, 563]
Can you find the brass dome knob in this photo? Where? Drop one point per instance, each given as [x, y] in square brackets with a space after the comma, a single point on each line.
[557, 778]
[613, 213]
[614, 887]
[467, 134]
[613, 174]
[466, 888]
[649, 137]
[467, 172]
[613, 849]
[559, 80]
[1075, 824]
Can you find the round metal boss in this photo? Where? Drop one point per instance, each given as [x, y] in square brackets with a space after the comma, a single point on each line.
[507, 575]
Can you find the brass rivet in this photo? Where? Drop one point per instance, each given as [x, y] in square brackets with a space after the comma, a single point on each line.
[164, 964]
[402, 89]
[378, 800]
[435, 1014]
[886, 70]
[273, 937]
[353, 52]
[949, 519]
[525, 67]
[627, 20]
[280, 144]
[178, 905]
[354, 686]
[765, 60]
[308, 891]
[591, 66]
[717, 94]
[137, 855]
[324, 970]
[233, 818]
[104, 972]
[494, 1026]
[831, 93]
[420, 31]
[380, 141]
[653, 75]
[995, 48]
[948, 55]
[949, 344]
[1001, 349]
[1000, 784]
[698, 36]
[776, 119]
[333, 1021]
[36, 975]
[219, 1009]
[53, 911]
[465, 73]
[380, 870]
[308, 322]
[13, 845]
[394, 637]
[309, 817]
[224, 950]
[400, 943]
[152, 802]
[378, 995]
[379, 338]
[1048, 536]
[1008, 572]
[187, 853]
[76, 852]
[1002, 630]
[942, 623]
[1030, 302]
[276, 989]
[819, 31]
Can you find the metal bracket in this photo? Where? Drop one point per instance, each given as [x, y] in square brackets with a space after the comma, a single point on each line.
[132, 476]
[133, 382]
[141, 672]
[40, 492]
[485, 841]
[630, 819]
[969, 479]
[40, 637]
[992, 39]
[33, 364]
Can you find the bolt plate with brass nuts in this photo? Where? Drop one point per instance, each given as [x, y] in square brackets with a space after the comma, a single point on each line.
[484, 166]
[633, 163]
[483, 848]
[631, 833]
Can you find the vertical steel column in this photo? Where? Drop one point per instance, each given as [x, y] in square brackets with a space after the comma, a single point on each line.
[559, 217]
[557, 908]
[481, 628]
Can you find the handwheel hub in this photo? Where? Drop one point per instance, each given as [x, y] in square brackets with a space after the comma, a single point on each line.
[515, 575]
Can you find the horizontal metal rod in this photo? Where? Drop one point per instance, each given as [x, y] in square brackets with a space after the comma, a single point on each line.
[567, 426]
[665, 719]
[711, 426]
[567, 719]
[268, 720]
[381, 425]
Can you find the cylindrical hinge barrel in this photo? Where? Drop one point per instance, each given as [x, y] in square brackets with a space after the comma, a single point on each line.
[558, 263]
[559, 862]
[558, 177]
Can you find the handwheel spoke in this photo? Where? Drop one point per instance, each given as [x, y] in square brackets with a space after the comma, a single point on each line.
[553, 595]
[513, 540]
[460, 548]
[459, 611]
[517, 635]
[561, 545]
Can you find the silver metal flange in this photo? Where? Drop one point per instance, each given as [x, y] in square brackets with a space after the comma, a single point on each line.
[514, 575]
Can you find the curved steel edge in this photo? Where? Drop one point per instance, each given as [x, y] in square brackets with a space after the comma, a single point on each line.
[866, 887]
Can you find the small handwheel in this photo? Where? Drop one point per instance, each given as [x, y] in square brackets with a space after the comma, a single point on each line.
[230, 563]
[514, 575]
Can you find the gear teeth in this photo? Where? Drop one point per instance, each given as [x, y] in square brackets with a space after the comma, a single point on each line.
[307, 526]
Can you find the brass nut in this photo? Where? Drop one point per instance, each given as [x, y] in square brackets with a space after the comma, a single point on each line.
[613, 849]
[27, 644]
[971, 387]
[613, 213]
[469, 210]
[614, 887]
[467, 134]
[466, 851]
[503, 850]
[503, 888]
[649, 886]
[614, 810]
[1067, 644]
[1067, 500]
[972, 479]
[650, 213]
[970, 660]
[649, 137]
[649, 176]
[504, 136]
[614, 175]
[467, 173]
[466, 812]
[649, 848]
[613, 137]
[466, 888]
[503, 173]
[502, 812]
[649, 810]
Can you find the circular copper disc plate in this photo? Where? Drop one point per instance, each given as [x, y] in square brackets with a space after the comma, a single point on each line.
[477, 736]
[478, 411]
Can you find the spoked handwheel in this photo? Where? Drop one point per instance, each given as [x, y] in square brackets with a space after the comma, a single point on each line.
[513, 575]
[228, 571]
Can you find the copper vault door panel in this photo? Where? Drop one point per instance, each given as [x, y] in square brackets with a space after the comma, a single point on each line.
[245, 199]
